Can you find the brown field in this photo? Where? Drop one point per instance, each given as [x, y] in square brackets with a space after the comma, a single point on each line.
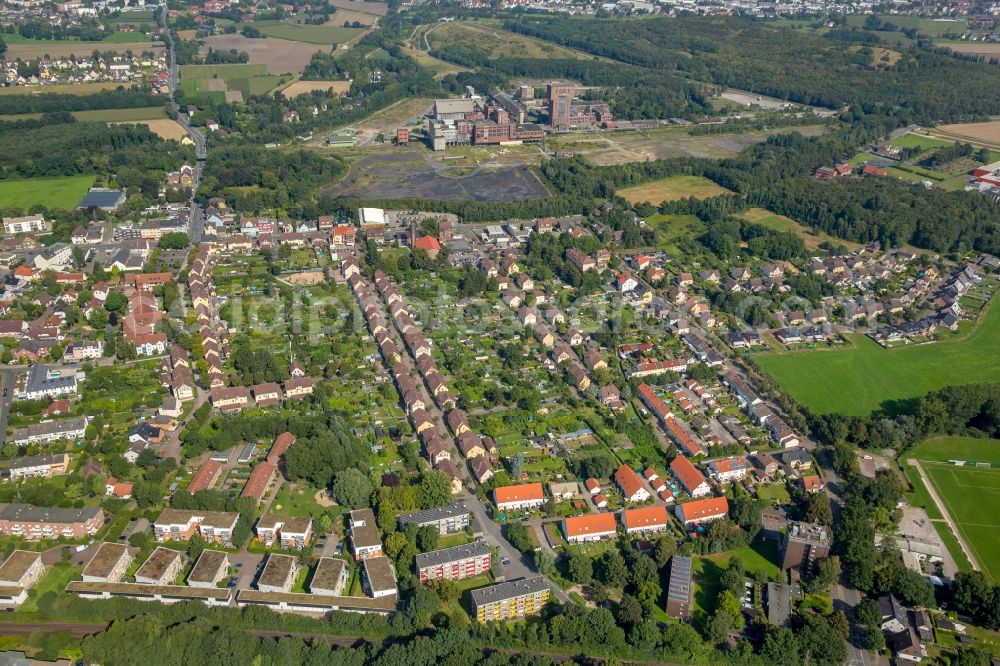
[498, 43]
[187, 34]
[352, 15]
[987, 133]
[55, 50]
[164, 127]
[975, 49]
[67, 89]
[280, 56]
[376, 8]
[306, 278]
[302, 87]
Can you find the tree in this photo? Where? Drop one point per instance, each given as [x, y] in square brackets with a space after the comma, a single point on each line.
[818, 509]
[838, 620]
[195, 547]
[868, 612]
[435, 489]
[115, 302]
[780, 647]
[827, 573]
[580, 567]
[719, 627]
[516, 465]
[352, 488]
[395, 543]
[630, 611]
[663, 550]
[518, 536]
[611, 569]
[913, 589]
[427, 538]
[146, 494]
[821, 643]
[175, 240]
[146, 458]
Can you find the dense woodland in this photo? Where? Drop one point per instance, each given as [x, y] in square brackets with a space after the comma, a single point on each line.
[925, 86]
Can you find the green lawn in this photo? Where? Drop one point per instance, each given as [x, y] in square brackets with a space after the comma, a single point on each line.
[297, 500]
[671, 230]
[224, 72]
[198, 80]
[57, 192]
[310, 34]
[866, 377]
[918, 141]
[54, 579]
[969, 449]
[760, 555]
[972, 496]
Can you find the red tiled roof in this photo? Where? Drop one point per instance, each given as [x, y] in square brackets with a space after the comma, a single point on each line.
[522, 493]
[205, 476]
[595, 523]
[647, 516]
[628, 480]
[259, 479]
[704, 508]
[686, 473]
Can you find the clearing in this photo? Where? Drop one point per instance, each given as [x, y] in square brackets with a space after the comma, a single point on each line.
[279, 56]
[165, 128]
[410, 174]
[970, 495]
[866, 377]
[672, 189]
[777, 222]
[609, 148]
[325, 34]
[55, 49]
[498, 43]
[57, 192]
[302, 87]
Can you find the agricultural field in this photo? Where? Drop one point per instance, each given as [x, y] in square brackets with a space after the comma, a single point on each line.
[672, 189]
[40, 48]
[103, 115]
[990, 50]
[374, 8]
[985, 134]
[165, 128]
[279, 56]
[352, 15]
[302, 87]
[496, 42]
[971, 495]
[223, 81]
[65, 89]
[866, 377]
[58, 192]
[777, 222]
[311, 34]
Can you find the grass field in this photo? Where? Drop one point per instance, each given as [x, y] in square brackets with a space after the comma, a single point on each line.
[215, 80]
[59, 192]
[310, 34]
[104, 115]
[65, 89]
[303, 87]
[39, 48]
[926, 26]
[971, 496]
[781, 223]
[672, 189]
[866, 377]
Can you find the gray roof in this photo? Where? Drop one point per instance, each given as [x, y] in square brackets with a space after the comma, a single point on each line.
[36, 461]
[509, 590]
[434, 515]
[454, 106]
[47, 514]
[102, 198]
[380, 574]
[207, 567]
[49, 428]
[680, 579]
[39, 380]
[328, 572]
[453, 554]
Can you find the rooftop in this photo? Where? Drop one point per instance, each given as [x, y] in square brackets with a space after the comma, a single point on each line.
[16, 565]
[105, 559]
[381, 576]
[276, 570]
[808, 532]
[138, 589]
[680, 579]
[207, 567]
[509, 590]
[434, 515]
[158, 562]
[327, 573]
[453, 554]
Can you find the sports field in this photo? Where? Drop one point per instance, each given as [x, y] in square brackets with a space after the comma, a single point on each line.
[672, 189]
[971, 496]
[866, 377]
[60, 192]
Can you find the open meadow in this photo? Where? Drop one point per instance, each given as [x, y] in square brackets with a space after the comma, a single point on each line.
[224, 81]
[58, 192]
[672, 189]
[496, 42]
[65, 89]
[55, 49]
[866, 377]
[279, 56]
[374, 8]
[776, 222]
[165, 128]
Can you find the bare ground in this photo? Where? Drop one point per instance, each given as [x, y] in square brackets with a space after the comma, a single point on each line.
[55, 50]
[280, 56]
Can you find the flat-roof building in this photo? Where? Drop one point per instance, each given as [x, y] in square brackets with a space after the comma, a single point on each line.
[20, 571]
[379, 577]
[160, 568]
[211, 567]
[804, 544]
[289, 531]
[365, 539]
[46, 522]
[511, 600]
[109, 563]
[330, 577]
[278, 574]
[181, 524]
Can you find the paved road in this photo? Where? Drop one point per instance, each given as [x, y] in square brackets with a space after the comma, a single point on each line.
[520, 566]
[8, 378]
[172, 447]
[943, 508]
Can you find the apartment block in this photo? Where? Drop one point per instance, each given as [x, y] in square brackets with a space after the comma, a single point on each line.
[465, 561]
[511, 600]
[365, 539]
[211, 567]
[804, 544]
[181, 524]
[45, 522]
[330, 577]
[288, 531]
[448, 519]
[161, 568]
[109, 564]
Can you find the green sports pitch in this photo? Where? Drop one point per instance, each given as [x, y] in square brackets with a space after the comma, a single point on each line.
[971, 496]
[57, 192]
